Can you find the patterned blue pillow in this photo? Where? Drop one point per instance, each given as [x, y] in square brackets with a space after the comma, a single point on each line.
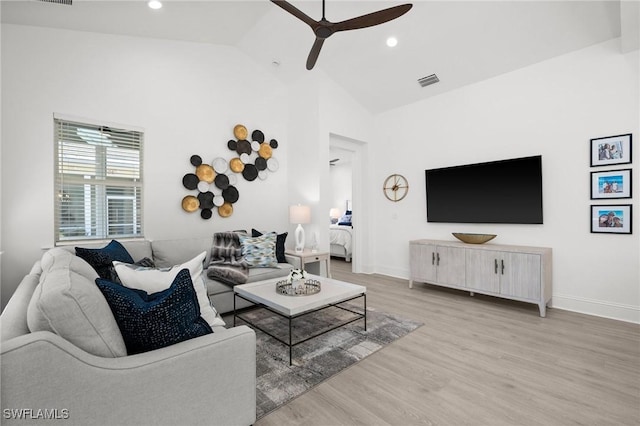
[152, 321]
[259, 252]
[280, 242]
[100, 259]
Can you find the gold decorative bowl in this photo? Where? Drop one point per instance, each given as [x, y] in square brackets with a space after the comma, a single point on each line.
[473, 238]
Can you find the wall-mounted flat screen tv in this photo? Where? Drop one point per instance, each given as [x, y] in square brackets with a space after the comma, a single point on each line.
[506, 191]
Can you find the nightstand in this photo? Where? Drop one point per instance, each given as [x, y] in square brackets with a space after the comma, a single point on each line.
[307, 257]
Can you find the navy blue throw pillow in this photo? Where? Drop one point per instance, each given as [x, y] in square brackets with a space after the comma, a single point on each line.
[101, 259]
[152, 321]
[280, 240]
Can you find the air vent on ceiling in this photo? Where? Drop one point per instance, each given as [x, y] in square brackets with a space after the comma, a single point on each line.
[430, 79]
[67, 2]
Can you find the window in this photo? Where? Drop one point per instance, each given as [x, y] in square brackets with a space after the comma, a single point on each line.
[98, 181]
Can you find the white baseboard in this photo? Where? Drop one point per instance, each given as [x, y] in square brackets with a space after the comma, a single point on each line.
[393, 272]
[599, 308]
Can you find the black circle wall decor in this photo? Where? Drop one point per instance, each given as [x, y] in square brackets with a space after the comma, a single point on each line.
[196, 160]
[243, 147]
[206, 200]
[254, 159]
[261, 163]
[230, 194]
[250, 172]
[257, 136]
[221, 181]
[190, 181]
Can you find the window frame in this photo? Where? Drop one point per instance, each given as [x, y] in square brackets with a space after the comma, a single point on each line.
[97, 183]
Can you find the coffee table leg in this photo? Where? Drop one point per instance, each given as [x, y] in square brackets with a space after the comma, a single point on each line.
[290, 345]
[365, 311]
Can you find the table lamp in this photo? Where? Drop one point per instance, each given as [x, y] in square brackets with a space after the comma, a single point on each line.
[299, 214]
[334, 214]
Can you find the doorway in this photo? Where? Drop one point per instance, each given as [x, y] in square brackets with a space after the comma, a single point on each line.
[347, 197]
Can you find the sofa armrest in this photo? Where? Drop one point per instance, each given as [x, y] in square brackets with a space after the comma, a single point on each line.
[207, 380]
[293, 261]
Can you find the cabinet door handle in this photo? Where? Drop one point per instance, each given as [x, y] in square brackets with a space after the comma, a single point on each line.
[438, 259]
[433, 258]
[495, 266]
[502, 266]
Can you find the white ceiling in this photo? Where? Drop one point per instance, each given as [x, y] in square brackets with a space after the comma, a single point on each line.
[461, 41]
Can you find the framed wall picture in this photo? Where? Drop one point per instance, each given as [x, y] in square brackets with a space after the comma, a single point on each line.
[611, 219]
[611, 184]
[611, 150]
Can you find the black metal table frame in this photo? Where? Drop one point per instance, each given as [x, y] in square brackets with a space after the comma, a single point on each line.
[290, 343]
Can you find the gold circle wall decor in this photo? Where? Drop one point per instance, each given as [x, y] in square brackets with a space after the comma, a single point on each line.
[395, 187]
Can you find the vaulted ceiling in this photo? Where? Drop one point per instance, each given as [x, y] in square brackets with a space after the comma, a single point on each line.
[463, 42]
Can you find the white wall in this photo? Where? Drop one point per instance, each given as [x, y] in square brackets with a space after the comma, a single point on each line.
[553, 108]
[186, 96]
[319, 111]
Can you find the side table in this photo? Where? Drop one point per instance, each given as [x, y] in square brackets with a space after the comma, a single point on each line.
[307, 256]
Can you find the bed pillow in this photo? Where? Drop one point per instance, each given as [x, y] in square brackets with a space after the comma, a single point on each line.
[101, 259]
[260, 252]
[280, 241]
[153, 280]
[345, 219]
[153, 321]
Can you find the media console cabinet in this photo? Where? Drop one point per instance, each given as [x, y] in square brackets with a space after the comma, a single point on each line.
[511, 272]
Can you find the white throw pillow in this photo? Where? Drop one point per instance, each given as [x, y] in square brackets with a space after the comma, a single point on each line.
[154, 280]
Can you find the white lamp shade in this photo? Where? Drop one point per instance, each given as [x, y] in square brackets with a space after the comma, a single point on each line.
[334, 213]
[299, 214]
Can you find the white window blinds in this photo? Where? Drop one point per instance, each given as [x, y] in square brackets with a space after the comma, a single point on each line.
[98, 181]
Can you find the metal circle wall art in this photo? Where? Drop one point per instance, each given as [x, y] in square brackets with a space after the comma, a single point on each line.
[215, 183]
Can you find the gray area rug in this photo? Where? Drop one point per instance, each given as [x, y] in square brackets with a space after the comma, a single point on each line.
[320, 358]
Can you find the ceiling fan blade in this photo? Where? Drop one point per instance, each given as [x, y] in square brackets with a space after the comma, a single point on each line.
[295, 12]
[315, 51]
[372, 19]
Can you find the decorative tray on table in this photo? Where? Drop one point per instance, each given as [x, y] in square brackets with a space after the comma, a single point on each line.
[300, 288]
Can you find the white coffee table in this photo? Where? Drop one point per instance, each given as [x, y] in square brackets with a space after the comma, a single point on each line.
[333, 293]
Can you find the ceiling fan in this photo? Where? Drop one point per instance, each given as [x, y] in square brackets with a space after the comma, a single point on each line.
[323, 29]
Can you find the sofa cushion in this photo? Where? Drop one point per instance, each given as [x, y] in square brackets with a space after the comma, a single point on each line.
[280, 244]
[255, 274]
[153, 280]
[167, 253]
[68, 303]
[101, 258]
[259, 274]
[260, 252]
[153, 321]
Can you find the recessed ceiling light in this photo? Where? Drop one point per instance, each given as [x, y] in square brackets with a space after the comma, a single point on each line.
[392, 42]
[154, 4]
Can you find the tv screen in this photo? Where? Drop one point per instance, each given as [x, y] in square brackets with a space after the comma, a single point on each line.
[506, 191]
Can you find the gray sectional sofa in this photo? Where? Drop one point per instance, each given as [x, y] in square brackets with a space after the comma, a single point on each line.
[73, 368]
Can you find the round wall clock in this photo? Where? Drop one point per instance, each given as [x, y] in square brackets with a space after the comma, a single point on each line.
[395, 187]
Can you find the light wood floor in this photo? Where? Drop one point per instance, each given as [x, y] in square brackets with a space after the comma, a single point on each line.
[479, 361]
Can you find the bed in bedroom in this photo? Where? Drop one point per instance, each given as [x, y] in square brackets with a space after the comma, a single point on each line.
[341, 240]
